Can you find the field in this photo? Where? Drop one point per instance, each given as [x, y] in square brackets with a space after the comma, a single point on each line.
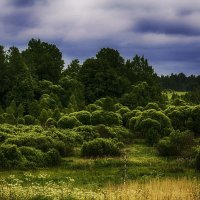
[170, 93]
[141, 174]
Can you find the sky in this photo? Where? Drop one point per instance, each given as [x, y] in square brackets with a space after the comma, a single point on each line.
[166, 32]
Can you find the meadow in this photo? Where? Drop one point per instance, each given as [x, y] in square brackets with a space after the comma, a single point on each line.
[138, 174]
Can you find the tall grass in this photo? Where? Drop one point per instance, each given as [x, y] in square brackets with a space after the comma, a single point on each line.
[152, 189]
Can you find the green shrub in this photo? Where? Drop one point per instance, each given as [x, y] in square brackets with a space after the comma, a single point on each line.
[122, 111]
[87, 132]
[20, 120]
[104, 131]
[11, 152]
[106, 118]
[29, 120]
[68, 122]
[182, 142]
[53, 157]
[3, 161]
[177, 144]
[158, 117]
[100, 148]
[83, 116]
[51, 122]
[197, 161]
[152, 106]
[93, 107]
[152, 136]
[3, 136]
[43, 116]
[165, 147]
[33, 155]
[9, 118]
[2, 119]
[41, 142]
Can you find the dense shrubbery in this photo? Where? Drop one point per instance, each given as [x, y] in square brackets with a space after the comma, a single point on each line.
[197, 161]
[177, 144]
[101, 147]
[83, 116]
[68, 122]
[151, 125]
[106, 118]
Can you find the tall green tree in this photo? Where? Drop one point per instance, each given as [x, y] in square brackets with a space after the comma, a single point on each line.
[138, 70]
[3, 75]
[44, 60]
[20, 81]
[101, 80]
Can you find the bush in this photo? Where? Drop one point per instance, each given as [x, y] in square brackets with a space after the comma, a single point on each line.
[93, 107]
[177, 144]
[100, 147]
[152, 136]
[165, 147]
[53, 157]
[197, 161]
[9, 118]
[3, 136]
[21, 120]
[2, 119]
[122, 111]
[29, 120]
[33, 155]
[152, 106]
[68, 122]
[87, 132]
[158, 118]
[83, 116]
[182, 142]
[106, 118]
[51, 122]
[41, 142]
[11, 152]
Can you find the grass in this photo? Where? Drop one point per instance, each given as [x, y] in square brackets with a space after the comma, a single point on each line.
[151, 189]
[170, 93]
[103, 178]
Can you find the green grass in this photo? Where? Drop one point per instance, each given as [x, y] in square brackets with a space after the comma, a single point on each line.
[170, 93]
[142, 163]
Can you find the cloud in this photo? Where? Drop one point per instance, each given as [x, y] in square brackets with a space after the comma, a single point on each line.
[157, 29]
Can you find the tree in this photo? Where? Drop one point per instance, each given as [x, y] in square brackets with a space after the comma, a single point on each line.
[43, 116]
[72, 69]
[101, 80]
[44, 60]
[3, 75]
[20, 82]
[140, 95]
[112, 57]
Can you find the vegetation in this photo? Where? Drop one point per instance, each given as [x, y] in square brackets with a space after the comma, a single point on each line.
[106, 116]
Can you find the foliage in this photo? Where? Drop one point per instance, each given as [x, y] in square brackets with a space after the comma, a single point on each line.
[177, 144]
[68, 122]
[100, 148]
[106, 118]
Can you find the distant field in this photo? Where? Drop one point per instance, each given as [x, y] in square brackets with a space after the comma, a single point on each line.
[170, 93]
[146, 176]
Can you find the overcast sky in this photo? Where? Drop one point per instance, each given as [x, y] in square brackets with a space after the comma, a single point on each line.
[167, 32]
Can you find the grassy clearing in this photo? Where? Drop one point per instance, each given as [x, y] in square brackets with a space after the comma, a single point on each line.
[170, 93]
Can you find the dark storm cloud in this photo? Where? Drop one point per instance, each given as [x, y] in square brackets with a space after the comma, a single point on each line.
[24, 3]
[17, 21]
[166, 32]
[166, 27]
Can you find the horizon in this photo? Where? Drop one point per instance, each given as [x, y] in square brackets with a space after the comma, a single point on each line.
[166, 33]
